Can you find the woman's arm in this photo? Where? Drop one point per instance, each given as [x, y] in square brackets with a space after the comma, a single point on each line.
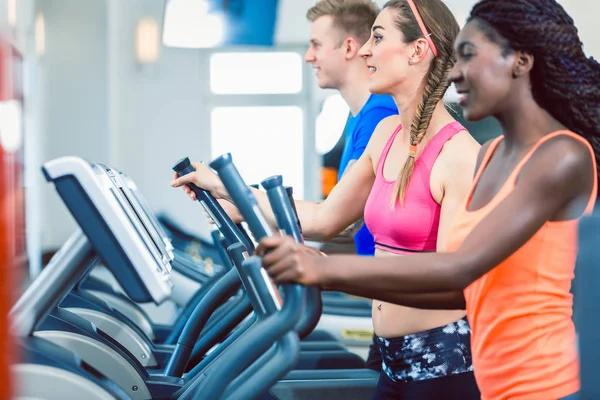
[320, 221]
[452, 172]
[451, 300]
[560, 173]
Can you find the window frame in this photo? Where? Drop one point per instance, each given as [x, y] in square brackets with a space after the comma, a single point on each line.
[304, 99]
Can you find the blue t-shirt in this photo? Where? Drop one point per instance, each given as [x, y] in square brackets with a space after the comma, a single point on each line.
[359, 129]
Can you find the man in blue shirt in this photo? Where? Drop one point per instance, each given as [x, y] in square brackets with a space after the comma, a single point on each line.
[338, 31]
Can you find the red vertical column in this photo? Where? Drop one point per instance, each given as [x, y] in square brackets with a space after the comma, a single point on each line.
[12, 201]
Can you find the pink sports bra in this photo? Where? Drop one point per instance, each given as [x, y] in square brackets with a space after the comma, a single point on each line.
[414, 226]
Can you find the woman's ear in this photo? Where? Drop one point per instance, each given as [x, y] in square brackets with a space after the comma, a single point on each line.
[420, 50]
[523, 64]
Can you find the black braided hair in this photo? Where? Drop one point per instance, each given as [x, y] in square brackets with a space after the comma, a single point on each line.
[565, 82]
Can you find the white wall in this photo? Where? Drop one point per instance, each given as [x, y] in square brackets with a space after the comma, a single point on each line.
[3, 18]
[99, 104]
[158, 113]
[71, 82]
[585, 14]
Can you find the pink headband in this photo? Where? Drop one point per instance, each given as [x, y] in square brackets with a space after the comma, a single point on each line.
[422, 26]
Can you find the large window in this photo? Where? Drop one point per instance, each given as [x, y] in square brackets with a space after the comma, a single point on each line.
[258, 114]
[256, 73]
[263, 141]
[330, 122]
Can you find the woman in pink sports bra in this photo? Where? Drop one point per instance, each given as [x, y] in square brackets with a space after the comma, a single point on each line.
[410, 181]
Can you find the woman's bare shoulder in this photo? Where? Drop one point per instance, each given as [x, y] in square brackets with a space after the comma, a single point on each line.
[458, 157]
[381, 135]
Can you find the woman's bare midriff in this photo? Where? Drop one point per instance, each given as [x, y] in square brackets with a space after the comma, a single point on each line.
[393, 320]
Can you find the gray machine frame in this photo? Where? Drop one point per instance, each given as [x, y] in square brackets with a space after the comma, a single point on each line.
[147, 258]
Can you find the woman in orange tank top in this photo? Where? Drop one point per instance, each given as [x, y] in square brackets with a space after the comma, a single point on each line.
[512, 247]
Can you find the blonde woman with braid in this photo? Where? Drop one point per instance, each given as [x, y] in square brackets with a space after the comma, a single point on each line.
[408, 184]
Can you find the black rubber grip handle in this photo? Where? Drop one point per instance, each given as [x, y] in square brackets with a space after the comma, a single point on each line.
[280, 203]
[290, 193]
[213, 208]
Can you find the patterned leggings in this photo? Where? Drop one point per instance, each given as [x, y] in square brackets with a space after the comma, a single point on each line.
[428, 365]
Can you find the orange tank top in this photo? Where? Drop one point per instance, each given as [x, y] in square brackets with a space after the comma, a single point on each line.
[523, 339]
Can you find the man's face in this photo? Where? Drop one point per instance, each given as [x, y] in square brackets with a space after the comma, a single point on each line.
[326, 53]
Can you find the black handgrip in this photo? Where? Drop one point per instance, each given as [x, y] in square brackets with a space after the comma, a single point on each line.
[242, 196]
[280, 203]
[212, 207]
[290, 193]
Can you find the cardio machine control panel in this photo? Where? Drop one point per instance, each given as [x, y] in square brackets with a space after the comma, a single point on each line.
[159, 232]
[138, 216]
[98, 200]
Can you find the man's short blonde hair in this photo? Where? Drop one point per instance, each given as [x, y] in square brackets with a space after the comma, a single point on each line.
[353, 17]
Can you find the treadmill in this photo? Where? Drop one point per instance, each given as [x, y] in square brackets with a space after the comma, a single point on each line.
[108, 230]
[86, 191]
[156, 358]
[50, 370]
[194, 246]
[98, 183]
[115, 230]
